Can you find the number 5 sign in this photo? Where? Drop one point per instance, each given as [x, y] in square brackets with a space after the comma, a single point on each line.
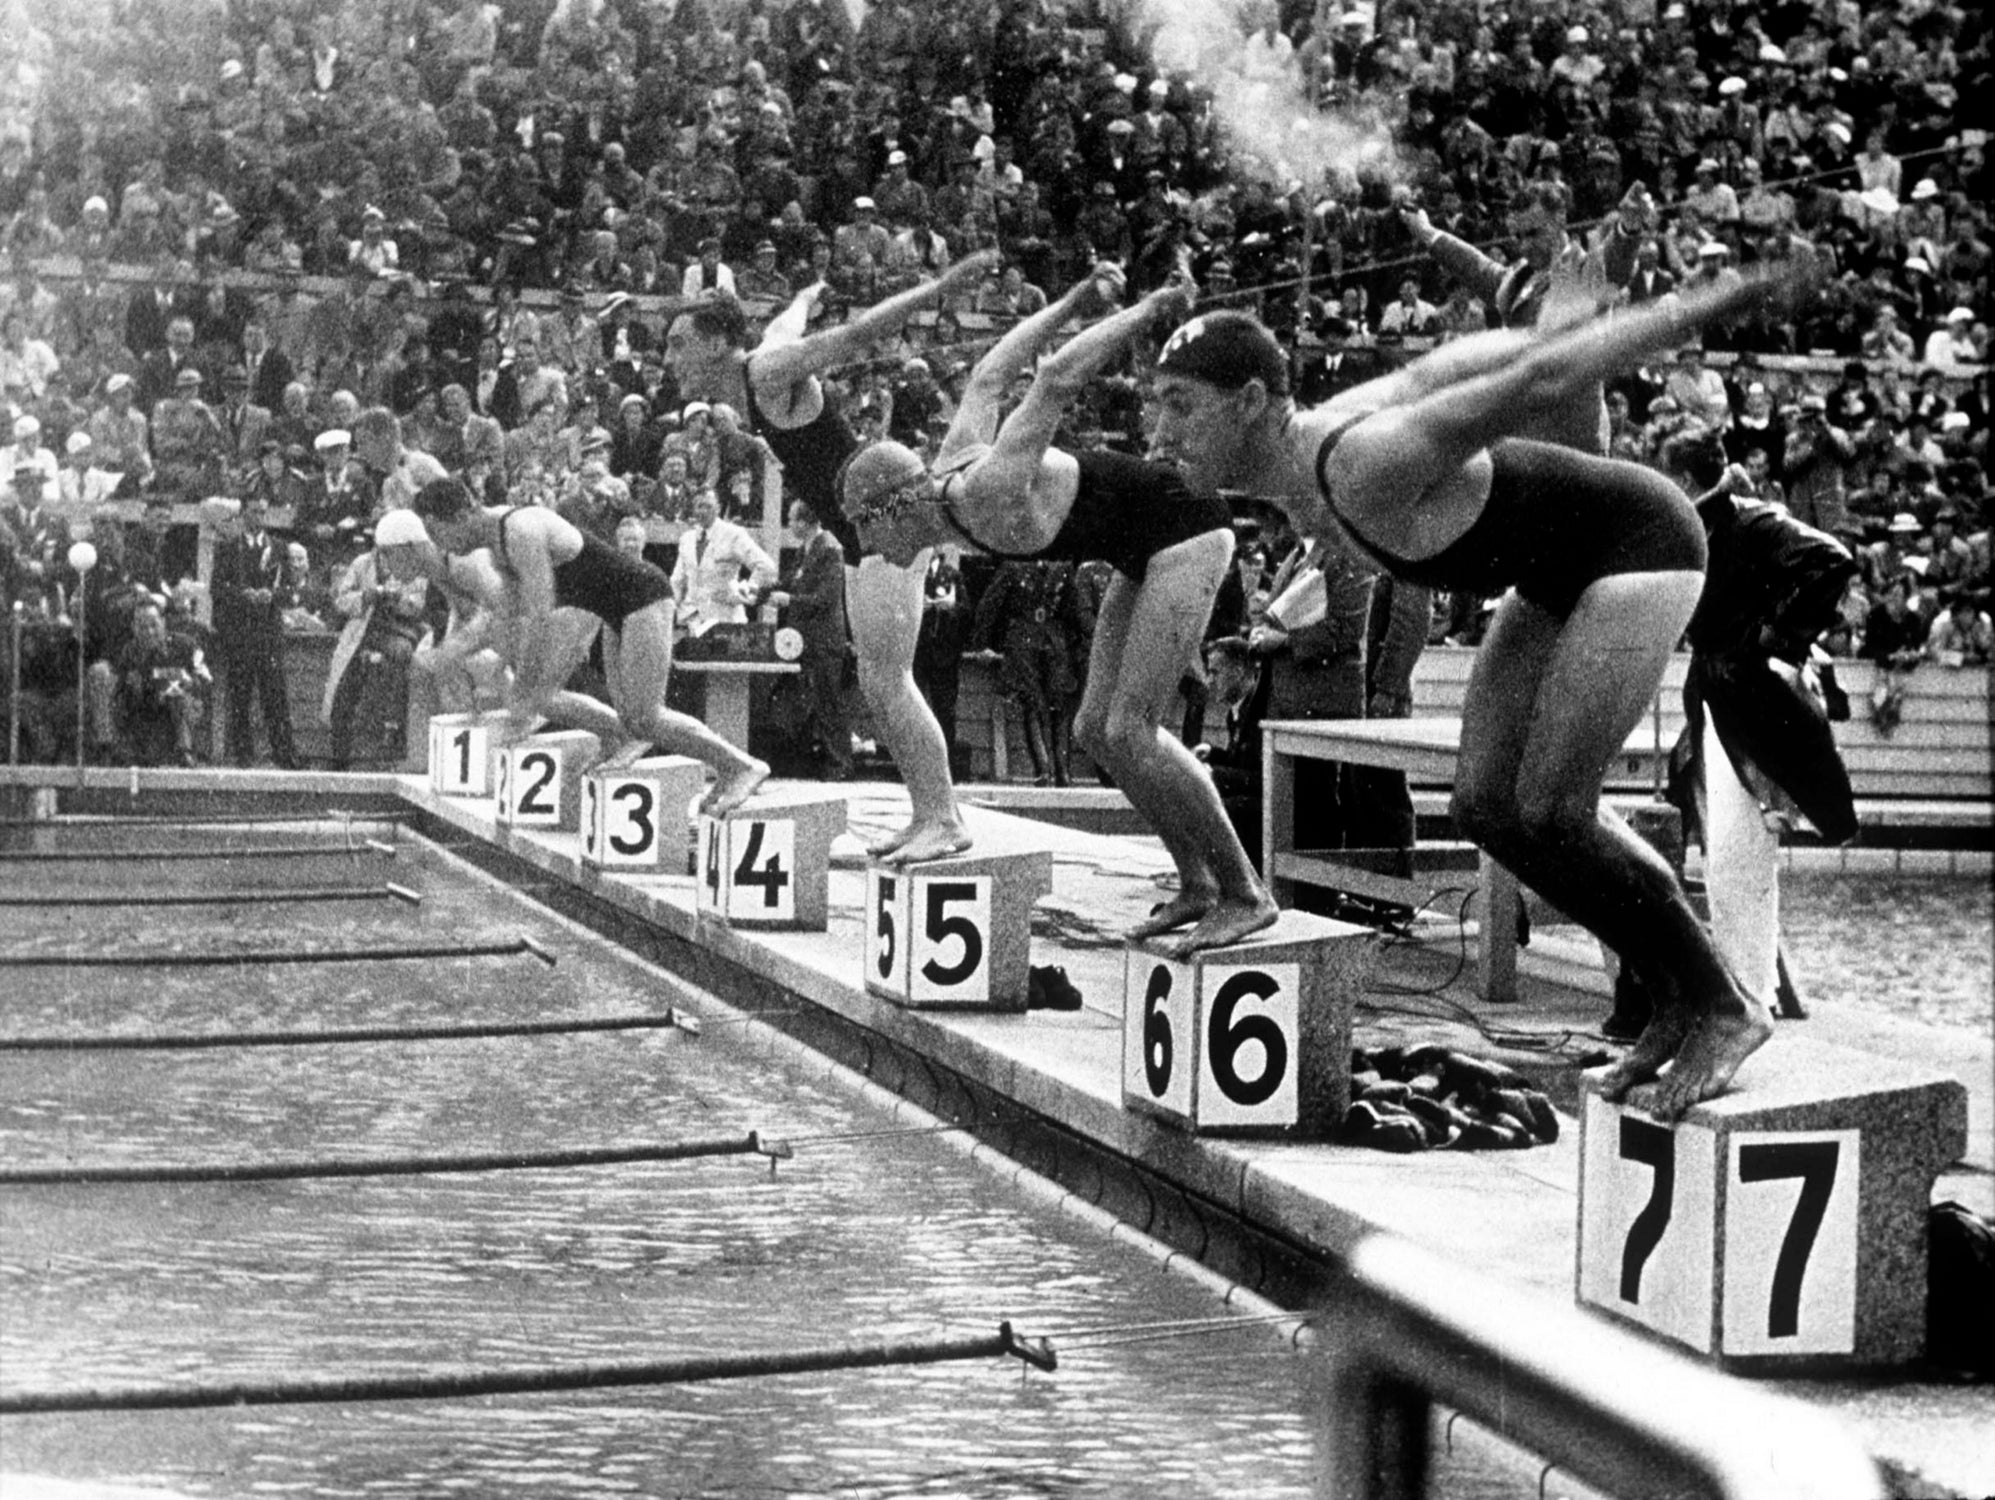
[954, 932]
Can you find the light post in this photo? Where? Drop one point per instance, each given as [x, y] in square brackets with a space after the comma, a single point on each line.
[82, 558]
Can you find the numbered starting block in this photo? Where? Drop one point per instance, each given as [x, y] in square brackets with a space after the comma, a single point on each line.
[1780, 1227]
[537, 781]
[637, 816]
[1254, 1039]
[768, 863]
[460, 754]
[955, 932]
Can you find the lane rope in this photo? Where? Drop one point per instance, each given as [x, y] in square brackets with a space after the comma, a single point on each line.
[459, 1381]
[309, 1169]
[269, 851]
[672, 1020]
[387, 892]
[243, 960]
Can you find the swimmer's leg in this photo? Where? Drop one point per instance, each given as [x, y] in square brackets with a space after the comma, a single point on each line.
[1144, 637]
[884, 603]
[638, 662]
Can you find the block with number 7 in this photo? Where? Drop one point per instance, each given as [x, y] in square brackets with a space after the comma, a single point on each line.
[1780, 1227]
[1252, 1039]
[768, 863]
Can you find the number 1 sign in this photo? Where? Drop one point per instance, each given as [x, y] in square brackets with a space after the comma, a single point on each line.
[460, 755]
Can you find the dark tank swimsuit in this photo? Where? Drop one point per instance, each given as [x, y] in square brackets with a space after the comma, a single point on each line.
[1125, 512]
[811, 456]
[609, 584]
[1555, 521]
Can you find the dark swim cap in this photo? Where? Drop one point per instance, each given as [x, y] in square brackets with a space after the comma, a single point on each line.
[1226, 349]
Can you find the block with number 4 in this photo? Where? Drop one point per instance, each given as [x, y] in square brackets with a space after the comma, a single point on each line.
[636, 816]
[768, 863]
[1252, 1039]
[537, 781]
[1781, 1226]
[954, 932]
[460, 754]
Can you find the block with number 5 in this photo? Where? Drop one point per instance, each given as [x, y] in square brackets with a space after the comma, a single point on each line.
[1780, 1227]
[957, 932]
[768, 863]
[1252, 1039]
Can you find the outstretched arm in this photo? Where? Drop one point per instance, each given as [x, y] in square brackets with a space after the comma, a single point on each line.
[983, 396]
[781, 365]
[1027, 433]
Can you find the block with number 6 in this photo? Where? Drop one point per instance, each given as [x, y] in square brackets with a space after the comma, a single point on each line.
[1781, 1226]
[1253, 1039]
[636, 816]
[768, 863]
[955, 932]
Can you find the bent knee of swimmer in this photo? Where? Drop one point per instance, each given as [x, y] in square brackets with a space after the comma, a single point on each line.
[1483, 813]
[1554, 814]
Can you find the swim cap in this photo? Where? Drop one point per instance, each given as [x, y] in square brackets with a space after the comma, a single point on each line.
[400, 528]
[882, 481]
[1226, 349]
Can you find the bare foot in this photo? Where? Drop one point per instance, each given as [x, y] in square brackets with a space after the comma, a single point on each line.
[932, 841]
[1181, 910]
[1234, 918]
[1658, 1042]
[1718, 1042]
[887, 846]
[734, 788]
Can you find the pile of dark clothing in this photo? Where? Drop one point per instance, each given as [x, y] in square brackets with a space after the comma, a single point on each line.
[1429, 1098]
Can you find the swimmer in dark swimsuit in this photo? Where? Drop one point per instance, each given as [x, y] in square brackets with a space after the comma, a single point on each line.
[778, 387]
[1605, 562]
[1003, 489]
[562, 586]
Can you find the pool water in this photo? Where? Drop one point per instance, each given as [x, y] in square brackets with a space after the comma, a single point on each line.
[890, 1237]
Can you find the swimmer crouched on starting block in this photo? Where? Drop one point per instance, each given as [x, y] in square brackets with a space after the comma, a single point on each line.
[561, 587]
[1003, 490]
[1604, 561]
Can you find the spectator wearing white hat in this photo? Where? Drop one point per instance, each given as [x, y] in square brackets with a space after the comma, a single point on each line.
[694, 441]
[187, 440]
[334, 509]
[381, 598]
[26, 452]
[898, 195]
[858, 248]
[1951, 349]
[80, 485]
[1815, 464]
[119, 433]
[373, 254]
[1578, 63]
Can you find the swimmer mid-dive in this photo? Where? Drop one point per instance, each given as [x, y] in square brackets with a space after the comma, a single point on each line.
[779, 390]
[1002, 489]
[1604, 562]
[562, 586]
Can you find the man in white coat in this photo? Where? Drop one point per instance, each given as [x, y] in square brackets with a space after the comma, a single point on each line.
[714, 554]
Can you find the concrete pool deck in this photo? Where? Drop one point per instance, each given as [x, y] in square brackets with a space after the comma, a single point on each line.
[1511, 1215]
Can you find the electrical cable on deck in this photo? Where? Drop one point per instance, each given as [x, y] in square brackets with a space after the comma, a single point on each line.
[240, 960]
[752, 1144]
[672, 1020]
[218, 898]
[437, 1384]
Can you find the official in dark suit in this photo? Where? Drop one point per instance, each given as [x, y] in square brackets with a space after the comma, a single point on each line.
[812, 599]
[247, 581]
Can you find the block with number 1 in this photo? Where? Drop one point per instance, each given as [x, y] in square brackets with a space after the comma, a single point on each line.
[460, 753]
[768, 863]
[1251, 1039]
[1781, 1226]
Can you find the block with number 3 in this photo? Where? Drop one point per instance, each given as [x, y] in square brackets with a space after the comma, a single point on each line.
[636, 816]
[1780, 1226]
[954, 932]
[1251, 1039]
[768, 863]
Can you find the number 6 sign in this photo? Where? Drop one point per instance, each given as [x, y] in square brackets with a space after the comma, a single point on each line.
[1254, 1038]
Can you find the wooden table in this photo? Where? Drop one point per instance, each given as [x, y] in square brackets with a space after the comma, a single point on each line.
[1427, 750]
[727, 687]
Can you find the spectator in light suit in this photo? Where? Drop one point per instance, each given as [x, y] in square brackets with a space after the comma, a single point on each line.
[713, 556]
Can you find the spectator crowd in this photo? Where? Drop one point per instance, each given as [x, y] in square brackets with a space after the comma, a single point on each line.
[300, 255]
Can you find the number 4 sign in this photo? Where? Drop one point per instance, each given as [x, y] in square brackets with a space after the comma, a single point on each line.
[768, 863]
